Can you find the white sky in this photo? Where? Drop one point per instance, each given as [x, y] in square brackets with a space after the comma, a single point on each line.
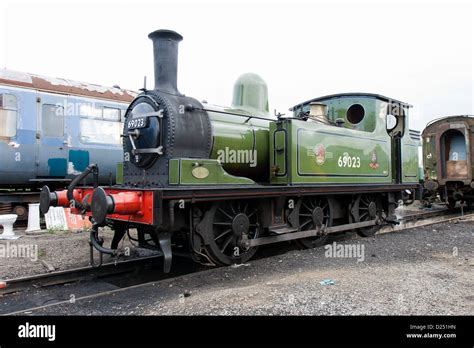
[420, 53]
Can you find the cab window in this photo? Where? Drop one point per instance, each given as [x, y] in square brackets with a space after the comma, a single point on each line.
[395, 119]
[355, 114]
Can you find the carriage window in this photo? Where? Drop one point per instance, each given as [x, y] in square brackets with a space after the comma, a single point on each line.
[355, 113]
[454, 153]
[100, 132]
[8, 115]
[89, 110]
[52, 120]
[111, 114]
[455, 145]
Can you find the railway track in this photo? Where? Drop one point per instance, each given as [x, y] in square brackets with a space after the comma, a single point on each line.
[427, 218]
[126, 274]
[72, 275]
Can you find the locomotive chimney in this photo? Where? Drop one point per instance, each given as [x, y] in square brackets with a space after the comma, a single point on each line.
[165, 52]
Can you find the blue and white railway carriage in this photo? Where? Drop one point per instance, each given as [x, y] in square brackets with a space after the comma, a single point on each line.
[51, 129]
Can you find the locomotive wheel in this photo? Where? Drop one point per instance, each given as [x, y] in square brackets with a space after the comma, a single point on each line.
[367, 207]
[228, 222]
[313, 211]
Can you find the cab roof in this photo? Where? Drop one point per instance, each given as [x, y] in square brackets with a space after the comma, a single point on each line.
[353, 94]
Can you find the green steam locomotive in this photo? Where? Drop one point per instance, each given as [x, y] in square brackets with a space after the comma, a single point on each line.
[217, 182]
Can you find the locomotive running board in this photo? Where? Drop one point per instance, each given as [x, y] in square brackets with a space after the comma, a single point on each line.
[308, 233]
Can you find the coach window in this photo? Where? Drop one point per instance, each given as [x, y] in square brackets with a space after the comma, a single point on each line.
[102, 126]
[8, 115]
[53, 120]
[111, 114]
[90, 110]
[100, 132]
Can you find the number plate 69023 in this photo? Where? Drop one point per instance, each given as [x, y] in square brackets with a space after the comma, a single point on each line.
[139, 122]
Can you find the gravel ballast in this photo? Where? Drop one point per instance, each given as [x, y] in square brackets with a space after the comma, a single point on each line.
[52, 251]
[423, 271]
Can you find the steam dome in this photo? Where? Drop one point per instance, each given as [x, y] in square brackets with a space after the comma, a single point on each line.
[251, 94]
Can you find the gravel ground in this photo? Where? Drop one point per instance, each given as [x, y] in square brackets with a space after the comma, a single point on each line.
[56, 250]
[427, 271]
